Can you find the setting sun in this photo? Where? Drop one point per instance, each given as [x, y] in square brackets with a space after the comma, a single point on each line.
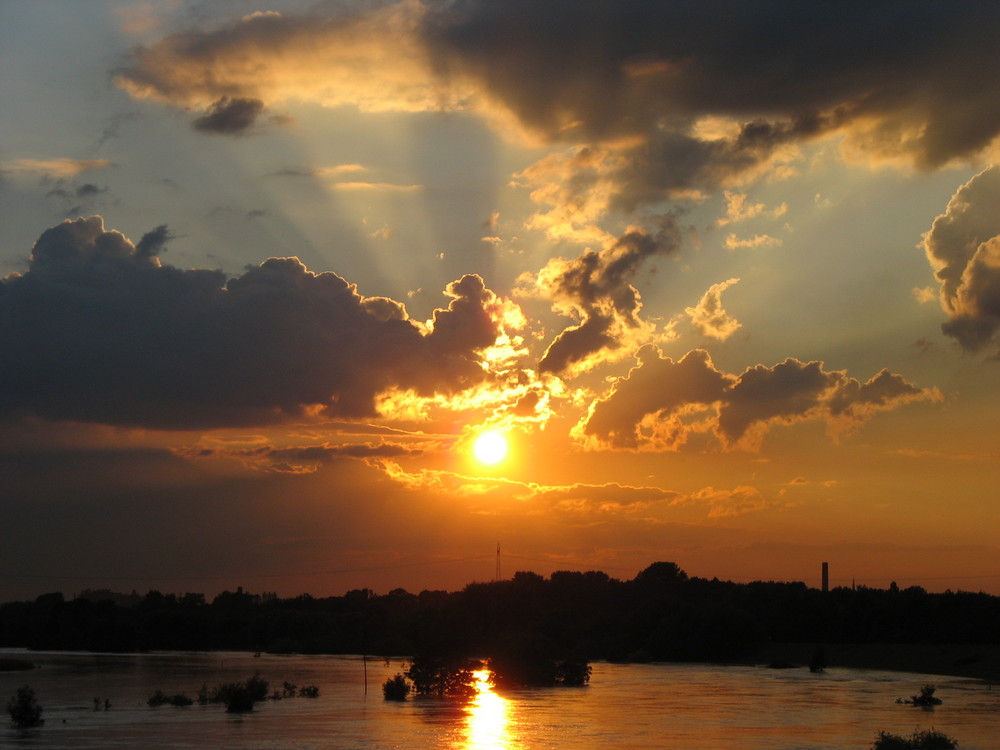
[490, 447]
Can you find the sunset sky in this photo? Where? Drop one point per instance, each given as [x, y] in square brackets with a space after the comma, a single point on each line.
[723, 276]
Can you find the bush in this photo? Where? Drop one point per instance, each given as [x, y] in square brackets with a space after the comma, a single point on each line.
[396, 688]
[926, 698]
[24, 709]
[156, 699]
[443, 676]
[238, 699]
[309, 691]
[929, 739]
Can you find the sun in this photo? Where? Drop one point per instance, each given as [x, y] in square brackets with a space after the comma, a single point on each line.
[490, 447]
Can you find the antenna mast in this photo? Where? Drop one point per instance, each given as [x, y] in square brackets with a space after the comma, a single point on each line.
[497, 577]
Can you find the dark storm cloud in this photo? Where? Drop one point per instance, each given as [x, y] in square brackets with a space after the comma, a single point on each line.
[230, 116]
[790, 69]
[901, 80]
[653, 407]
[99, 330]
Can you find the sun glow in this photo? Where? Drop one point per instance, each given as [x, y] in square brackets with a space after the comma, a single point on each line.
[490, 447]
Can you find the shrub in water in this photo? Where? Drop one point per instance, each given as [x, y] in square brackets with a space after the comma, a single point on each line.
[309, 691]
[239, 697]
[929, 739]
[24, 709]
[239, 700]
[396, 688]
[926, 697]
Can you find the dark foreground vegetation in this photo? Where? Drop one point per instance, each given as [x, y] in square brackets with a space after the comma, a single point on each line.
[569, 617]
[928, 739]
[24, 709]
[238, 697]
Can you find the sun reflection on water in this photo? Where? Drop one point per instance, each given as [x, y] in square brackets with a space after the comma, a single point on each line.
[486, 722]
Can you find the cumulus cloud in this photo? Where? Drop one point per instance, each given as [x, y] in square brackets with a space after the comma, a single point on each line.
[709, 317]
[660, 402]
[963, 247]
[647, 407]
[596, 289]
[98, 329]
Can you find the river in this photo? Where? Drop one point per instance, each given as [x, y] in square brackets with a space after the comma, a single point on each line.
[635, 706]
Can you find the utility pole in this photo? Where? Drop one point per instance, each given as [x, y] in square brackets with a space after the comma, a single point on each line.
[497, 576]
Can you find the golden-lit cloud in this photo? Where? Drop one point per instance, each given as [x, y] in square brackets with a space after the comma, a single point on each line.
[373, 60]
[725, 503]
[758, 240]
[963, 247]
[596, 289]
[709, 317]
[739, 209]
[661, 402]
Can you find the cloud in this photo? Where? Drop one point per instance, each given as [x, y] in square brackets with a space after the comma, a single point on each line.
[373, 60]
[647, 407]
[596, 289]
[229, 116]
[59, 168]
[726, 503]
[738, 209]
[887, 74]
[709, 317]
[758, 240]
[300, 459]
[650, 102]
[98, 329]
[963, 247]
[661, 402]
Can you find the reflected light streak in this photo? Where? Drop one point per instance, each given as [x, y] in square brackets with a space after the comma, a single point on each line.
[486, 723]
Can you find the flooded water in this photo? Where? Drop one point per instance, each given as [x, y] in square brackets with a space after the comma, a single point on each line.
[687, 707]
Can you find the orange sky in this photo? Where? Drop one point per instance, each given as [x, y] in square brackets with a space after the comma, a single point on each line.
[724, 279]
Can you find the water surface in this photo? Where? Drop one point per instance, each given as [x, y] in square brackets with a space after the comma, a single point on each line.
[641, 706]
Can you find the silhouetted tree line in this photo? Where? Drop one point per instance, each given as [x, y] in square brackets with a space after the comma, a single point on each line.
[570, 616]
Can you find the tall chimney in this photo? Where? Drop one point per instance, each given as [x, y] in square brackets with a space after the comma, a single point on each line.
[826, 576]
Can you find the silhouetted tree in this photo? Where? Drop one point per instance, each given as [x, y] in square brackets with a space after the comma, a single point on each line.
[441, 676]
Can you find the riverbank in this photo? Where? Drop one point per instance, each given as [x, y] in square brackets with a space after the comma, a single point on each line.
[980, 662]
